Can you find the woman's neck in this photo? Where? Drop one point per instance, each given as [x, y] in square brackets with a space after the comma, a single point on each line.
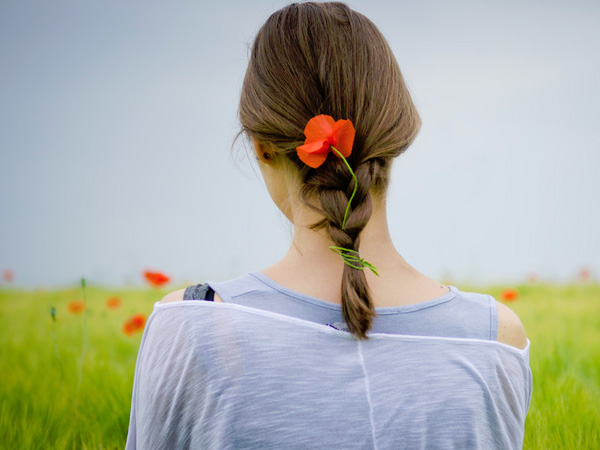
[310, 265]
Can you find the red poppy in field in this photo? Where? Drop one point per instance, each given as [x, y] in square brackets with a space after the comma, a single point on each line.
[113, 302]
[509, 295]
[138, 321]
[323, 132]
[156, 279]
[585, 274]
[134, 324]
[8, 275]
[128, 329]
[76, 306]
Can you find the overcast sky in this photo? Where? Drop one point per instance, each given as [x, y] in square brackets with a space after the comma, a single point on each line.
[117, 121]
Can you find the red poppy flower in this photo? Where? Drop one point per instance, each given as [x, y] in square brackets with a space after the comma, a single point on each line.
[584, 274]
[509, 295]
[8, 275]
[76, 306]
[134, 324]
[128, 329]
[113, 302]
[322, 133]
[138, 321]
[156, 279]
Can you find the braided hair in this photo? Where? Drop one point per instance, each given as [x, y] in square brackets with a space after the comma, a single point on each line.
[324, 58]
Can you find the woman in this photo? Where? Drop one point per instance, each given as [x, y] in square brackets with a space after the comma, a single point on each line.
[341, 343]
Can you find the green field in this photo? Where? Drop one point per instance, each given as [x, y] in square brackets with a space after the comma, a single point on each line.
[52, 397]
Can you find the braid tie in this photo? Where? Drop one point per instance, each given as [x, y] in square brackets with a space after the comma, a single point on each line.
[353, 259]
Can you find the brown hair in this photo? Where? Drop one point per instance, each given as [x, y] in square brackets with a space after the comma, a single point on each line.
[324, 58]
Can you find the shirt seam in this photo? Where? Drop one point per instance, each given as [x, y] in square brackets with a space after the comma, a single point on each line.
[368, 393]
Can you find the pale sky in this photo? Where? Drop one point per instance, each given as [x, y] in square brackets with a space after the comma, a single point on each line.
[117, 121]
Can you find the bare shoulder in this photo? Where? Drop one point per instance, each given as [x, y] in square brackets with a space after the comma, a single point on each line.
[175, 296]
[510, 328]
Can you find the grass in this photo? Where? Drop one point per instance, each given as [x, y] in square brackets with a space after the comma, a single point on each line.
[39, 406]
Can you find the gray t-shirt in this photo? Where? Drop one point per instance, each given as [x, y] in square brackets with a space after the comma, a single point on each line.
[245, 375]
[456, 314]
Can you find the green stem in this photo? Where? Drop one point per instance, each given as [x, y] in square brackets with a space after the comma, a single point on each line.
[352, 258]
[83, 347]
[55, 340]
[355, 185]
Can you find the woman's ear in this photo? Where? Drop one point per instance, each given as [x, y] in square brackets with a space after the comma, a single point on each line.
[263, 153]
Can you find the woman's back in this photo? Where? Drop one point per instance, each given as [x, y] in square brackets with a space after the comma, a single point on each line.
[223, 375]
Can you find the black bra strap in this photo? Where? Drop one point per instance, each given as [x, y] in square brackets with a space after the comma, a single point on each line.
[199, 292]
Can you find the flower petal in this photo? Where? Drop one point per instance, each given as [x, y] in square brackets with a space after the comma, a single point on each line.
[315, 147]
[138, 321]
[113, 302]
[156, 279]
[76, 306]
[344, 132]
[313, 154]
[319, 128]
[128, 329]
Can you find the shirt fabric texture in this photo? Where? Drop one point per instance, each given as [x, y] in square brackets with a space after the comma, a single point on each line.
[271, 368]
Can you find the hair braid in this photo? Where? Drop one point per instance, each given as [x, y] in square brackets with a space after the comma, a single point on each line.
[324, 58]
[334, 185]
